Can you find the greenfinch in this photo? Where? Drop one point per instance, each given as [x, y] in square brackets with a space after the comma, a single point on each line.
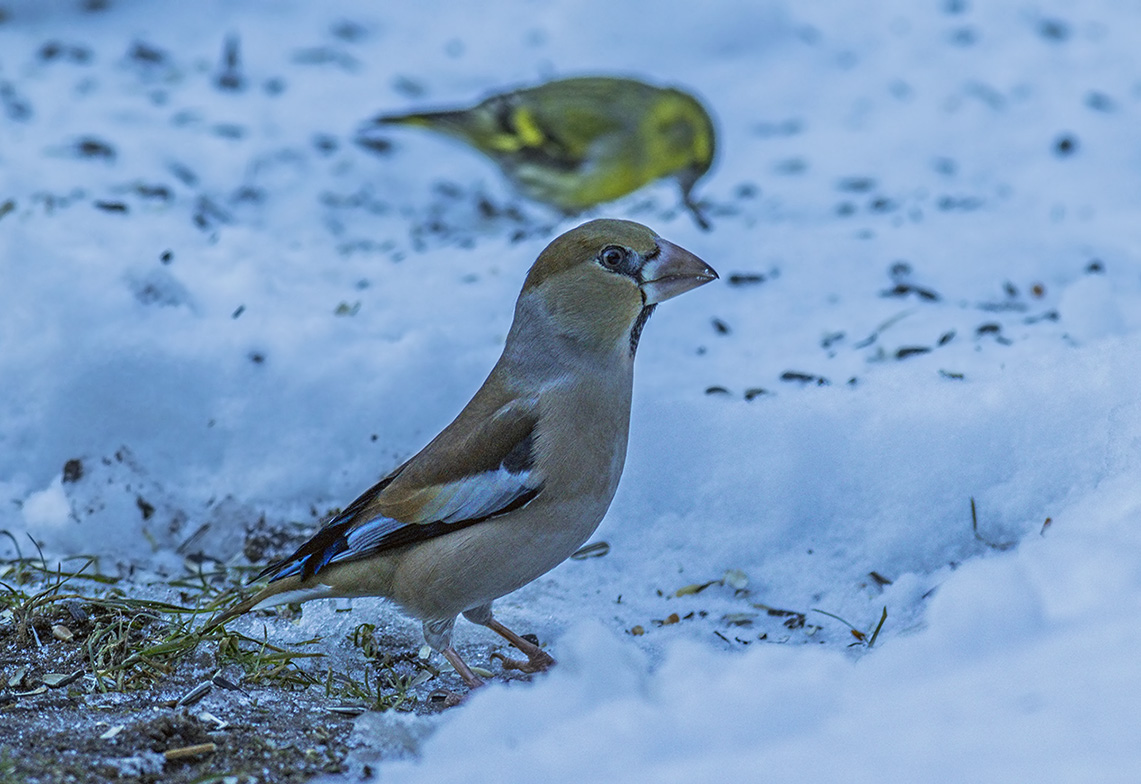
[575, 143]
[523, 476]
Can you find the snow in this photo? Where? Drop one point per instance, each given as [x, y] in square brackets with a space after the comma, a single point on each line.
[202, 367]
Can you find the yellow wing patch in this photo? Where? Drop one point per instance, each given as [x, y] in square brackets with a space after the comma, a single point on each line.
[523, 132]
[530, 135]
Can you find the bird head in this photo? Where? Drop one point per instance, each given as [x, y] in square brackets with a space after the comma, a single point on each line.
[686, 133]
[598, 283]
[684, 143]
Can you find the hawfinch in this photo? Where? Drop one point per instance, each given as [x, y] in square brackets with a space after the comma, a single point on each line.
[523, 476]
[575, 143]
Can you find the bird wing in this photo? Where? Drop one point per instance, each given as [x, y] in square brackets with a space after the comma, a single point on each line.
[561, 137]
[559, 125]
[465, 476]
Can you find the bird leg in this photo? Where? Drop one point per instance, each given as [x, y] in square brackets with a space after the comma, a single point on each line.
[470, 679]
[438, 634]
[538, 660]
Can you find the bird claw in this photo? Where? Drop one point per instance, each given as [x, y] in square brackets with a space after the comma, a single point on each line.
[538, 662]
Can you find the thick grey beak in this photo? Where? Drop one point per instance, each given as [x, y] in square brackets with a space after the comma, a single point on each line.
[673, 271]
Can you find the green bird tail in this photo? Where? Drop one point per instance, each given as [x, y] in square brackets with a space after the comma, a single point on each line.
[455, 123]
[487, 127]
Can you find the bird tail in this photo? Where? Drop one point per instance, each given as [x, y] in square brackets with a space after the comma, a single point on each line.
[283, 591]
[456, 124]
[454, 121]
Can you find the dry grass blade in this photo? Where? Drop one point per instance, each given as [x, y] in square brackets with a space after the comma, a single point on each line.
[979, 537]
[866, 639]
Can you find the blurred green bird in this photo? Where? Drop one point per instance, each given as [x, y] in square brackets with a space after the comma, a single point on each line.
[574, 143]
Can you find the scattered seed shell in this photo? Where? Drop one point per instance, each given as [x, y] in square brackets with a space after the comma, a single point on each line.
[695, 588]
[773, 610]
[745, 278]
[637, 631]
[592, 550]
[911, 351]
[62, 633]
[113, 732]
[445, 698]
[195, 694]
[189, 751]
[33, 693]
[739, 619]
[223, 682]
[209, 718]
[736, 579]
[480, 671]
[55, 680]
[17, 678]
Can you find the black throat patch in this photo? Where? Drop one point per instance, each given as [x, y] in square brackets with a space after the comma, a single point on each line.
[639, 325]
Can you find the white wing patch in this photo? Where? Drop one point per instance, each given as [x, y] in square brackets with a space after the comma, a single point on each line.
[471, 498]
[431, 511]
[477, 496]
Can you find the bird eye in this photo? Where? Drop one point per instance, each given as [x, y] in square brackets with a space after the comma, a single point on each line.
[612, 257]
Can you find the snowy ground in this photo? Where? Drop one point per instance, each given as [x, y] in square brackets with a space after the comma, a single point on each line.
[224, 310]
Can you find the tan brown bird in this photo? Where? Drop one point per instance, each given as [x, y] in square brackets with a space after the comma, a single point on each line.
[523, 476]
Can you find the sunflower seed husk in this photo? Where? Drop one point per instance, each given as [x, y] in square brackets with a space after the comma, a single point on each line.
[195, 694]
